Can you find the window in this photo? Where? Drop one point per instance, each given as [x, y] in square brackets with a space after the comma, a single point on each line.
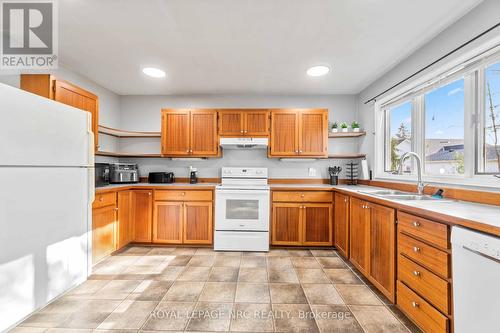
[489, 157]
[444, 130]
[450, 118]
[398, 138]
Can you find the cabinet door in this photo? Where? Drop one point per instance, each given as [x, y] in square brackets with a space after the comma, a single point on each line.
[124, 220]
[69, 94]
[256, 123]
[313, 133]
[204, 133]
[142, 203]
[359, 235]
[197, 223]
[341, 224]
[175, 132]
[103, 232]
[287, 224]
[167, 222]
[317, 224]
[231, 123]
[382, 249]
[284, 133]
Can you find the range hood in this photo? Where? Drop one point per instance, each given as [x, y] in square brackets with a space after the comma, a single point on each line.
[244, 143]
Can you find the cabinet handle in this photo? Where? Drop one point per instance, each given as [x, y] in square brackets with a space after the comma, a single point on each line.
[187, 151]
[296, 152]
[416, 224]
[242, 131]
[415, 304]
[116, 209]
[416, 273]
[101, 199]
[302, 195]
[183, 193]
[416, 249]
[345, 199]
[300, 151]
[149, 193]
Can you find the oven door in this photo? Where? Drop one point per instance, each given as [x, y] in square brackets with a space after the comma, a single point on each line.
[242, 209]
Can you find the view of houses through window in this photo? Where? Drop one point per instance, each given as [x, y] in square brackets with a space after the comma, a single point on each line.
[399, 141]
[490, 152]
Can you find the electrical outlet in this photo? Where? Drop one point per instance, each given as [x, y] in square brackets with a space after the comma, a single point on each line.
[312, 172]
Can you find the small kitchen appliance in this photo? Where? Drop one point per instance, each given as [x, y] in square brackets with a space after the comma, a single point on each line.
[242, 210]
[101, 174]
[193, 179]
[124, 173]
[161, 177]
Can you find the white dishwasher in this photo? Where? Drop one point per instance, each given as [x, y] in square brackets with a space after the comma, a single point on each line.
[476, 281]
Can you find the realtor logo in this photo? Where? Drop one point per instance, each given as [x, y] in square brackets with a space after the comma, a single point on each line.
[29, 34]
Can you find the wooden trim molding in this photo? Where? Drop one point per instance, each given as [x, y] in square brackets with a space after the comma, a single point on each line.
[490, 198]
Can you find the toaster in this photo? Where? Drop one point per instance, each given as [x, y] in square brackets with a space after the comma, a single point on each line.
[123, 173]
[161, 177]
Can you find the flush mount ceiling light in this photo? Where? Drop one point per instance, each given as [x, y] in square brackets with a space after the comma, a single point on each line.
[153, 72]
[318, 70]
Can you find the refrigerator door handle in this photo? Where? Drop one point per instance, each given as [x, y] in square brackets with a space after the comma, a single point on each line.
[90, 134]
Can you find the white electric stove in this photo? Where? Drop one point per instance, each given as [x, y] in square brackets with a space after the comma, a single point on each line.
[242, 210]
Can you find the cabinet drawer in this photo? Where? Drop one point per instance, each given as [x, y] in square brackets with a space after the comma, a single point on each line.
[426, 283]
[430, 231]
[104, 199]
[424, 314]
[187, 195]
[426, 255]
[303, 196]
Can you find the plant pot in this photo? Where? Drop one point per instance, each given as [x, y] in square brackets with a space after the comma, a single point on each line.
[355, 129]
[345, 130]
[335, 130]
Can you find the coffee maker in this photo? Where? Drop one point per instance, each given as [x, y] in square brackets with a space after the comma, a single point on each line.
[193, 179]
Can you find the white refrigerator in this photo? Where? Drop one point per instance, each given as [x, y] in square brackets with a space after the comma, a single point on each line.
[46, 193]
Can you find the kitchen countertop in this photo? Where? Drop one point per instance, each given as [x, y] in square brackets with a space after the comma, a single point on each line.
[481, 217]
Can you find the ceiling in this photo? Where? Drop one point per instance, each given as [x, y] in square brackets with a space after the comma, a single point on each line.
[245, 46]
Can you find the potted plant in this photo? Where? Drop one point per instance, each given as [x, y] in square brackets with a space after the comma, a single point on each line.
[344, 126]
[355, 126]
[335, 127]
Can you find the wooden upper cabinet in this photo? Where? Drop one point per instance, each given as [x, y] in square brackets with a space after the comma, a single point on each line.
[203, 131]
[284, 133]
[313, 133]
[341, 224]
[175, 132]
[299, 133]
[256, 122]
[189, 133]
[231, 123]
[49, 86]
[359, 247]
[142, 206]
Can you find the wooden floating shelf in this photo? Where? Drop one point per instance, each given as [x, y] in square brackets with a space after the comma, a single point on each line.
[127, 134]
[112, 154]
[347, 156]
[346, 134]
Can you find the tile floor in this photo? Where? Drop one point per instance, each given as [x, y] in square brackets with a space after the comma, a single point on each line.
[151, 289]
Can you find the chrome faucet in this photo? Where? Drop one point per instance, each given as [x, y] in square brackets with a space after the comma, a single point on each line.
[420, 183]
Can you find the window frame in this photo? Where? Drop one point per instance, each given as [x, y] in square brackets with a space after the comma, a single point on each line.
[471, 67]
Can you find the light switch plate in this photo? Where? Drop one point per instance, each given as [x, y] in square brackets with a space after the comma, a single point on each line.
[312, 172]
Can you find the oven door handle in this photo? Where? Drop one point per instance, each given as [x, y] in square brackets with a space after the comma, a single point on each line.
[252, 192]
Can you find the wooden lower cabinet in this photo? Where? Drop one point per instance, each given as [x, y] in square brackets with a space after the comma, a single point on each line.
[317, 224]
[301, 224]
[197, 223]
[372, 244]
[359, 242]
[142, 207]
[286, 224]
[167, 222]
[341, 224]
[103, 232]
[183, 222]
[124, 219]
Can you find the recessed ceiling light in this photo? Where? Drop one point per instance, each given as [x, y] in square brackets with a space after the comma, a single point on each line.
[153, 72]
[318, 70]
